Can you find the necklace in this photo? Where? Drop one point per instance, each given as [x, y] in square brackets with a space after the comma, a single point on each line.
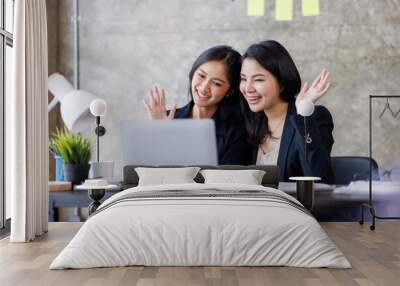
[278, 127]
[272, 138]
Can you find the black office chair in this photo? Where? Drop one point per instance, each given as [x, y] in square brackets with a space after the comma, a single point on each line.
[353, 168]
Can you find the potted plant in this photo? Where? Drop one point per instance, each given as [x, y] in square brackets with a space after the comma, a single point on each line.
[76, 152]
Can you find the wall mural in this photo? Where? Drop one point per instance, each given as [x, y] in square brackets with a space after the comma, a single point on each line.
[156, 42]
[122, 57]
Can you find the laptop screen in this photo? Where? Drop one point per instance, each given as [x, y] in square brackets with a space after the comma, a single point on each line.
[169, 142]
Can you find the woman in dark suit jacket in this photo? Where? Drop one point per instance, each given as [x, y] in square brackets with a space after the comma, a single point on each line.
[270, 82]
[214, 92]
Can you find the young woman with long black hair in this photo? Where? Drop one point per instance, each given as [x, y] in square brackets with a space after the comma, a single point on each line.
[214, 91]
[269, 84]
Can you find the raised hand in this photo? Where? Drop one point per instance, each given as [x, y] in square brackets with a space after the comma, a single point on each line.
[317, 89]
[156, 106]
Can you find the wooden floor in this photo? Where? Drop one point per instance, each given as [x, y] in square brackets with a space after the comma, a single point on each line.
[374, 255]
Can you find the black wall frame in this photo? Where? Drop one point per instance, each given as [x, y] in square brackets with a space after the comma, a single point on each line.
[370, 205]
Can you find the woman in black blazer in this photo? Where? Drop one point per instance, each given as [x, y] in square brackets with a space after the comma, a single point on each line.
[214, 92]
[270, 82]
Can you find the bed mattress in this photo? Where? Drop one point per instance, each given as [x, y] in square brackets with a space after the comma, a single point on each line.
[201, 225]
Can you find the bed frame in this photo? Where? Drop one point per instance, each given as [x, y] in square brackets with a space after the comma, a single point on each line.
[270, 179]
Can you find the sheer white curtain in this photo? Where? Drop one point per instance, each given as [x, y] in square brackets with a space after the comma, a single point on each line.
[27, 122]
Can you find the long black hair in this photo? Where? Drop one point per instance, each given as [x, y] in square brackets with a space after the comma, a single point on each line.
[273, 57]
[233, 62]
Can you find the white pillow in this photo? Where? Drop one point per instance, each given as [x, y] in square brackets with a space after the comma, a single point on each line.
[248, 177]
[165, 176]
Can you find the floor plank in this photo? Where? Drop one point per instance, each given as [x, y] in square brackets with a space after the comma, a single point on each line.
[375, 257]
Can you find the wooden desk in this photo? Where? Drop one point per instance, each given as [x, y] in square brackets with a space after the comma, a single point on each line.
[73, 199]
[60, 186]
[343, 203]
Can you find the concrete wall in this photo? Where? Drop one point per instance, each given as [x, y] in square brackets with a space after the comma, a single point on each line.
[128, 46]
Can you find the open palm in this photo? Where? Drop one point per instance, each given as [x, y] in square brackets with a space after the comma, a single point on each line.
[317, 89]
[156, 105]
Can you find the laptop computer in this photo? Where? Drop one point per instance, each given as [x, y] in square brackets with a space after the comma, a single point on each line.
[169, 142]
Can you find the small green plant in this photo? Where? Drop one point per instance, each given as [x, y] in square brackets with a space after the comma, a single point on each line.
[73, 148]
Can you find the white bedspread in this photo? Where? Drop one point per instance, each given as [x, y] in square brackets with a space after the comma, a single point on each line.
[227, 231]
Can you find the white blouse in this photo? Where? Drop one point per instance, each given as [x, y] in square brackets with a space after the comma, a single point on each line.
[269, 158]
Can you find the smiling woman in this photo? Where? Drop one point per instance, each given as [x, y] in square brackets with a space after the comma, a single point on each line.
[271, 88]
[214, 91]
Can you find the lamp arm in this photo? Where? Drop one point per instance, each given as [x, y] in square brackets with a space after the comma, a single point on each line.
[52, 104]
[305, 137]
[98, 138]
[100, 131]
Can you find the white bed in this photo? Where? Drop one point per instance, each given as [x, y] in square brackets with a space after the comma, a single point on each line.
[268, 228]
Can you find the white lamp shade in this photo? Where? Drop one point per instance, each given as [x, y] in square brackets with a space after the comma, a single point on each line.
[75, 110]
[305, 107]
[74, 103]
[98, 107]
[59, 86]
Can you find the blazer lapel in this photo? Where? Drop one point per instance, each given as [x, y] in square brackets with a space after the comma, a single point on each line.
[286, 140]
[184, 112]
